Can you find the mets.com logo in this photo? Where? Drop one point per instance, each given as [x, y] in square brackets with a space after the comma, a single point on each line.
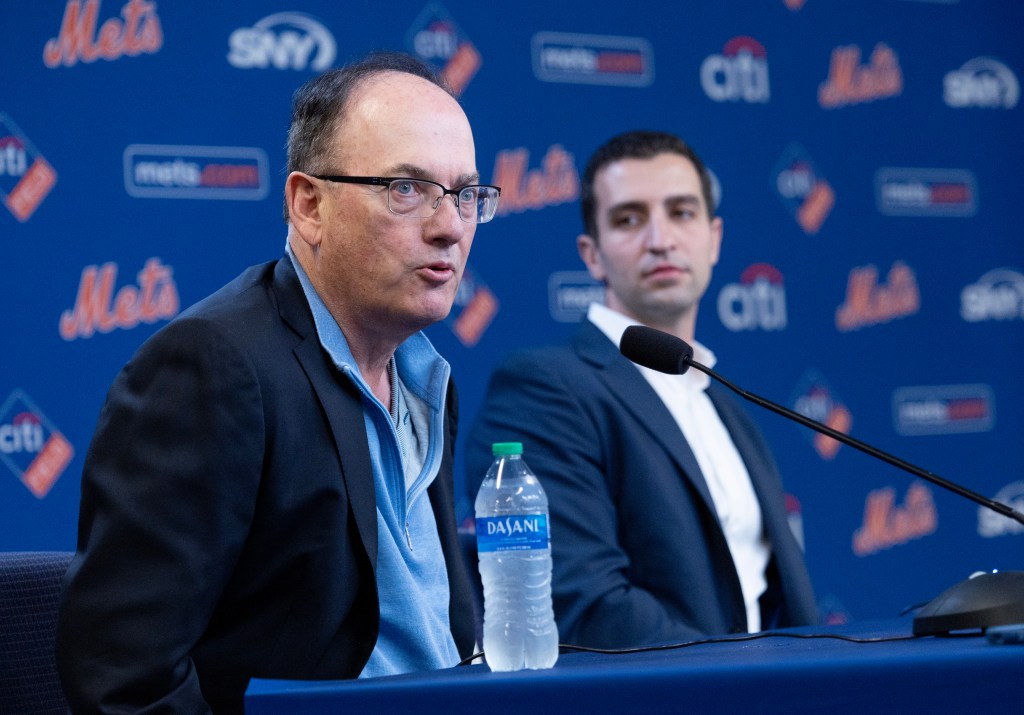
[925, 192]
[943, 409]
[284, 41]
[156, 171]
[31, 447]
[592, 59]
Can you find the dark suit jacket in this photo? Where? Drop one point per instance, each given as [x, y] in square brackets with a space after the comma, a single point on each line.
[228, 524]
[639, 555]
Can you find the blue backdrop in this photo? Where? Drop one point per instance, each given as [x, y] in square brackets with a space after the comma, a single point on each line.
[866, 156]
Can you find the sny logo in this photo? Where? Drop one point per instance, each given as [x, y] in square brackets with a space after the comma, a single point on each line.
[981, 82]
[285, 40]
[35, 451]
[473, 310]
[998, 295]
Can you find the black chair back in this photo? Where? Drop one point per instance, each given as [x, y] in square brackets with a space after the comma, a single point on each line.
[29, 597]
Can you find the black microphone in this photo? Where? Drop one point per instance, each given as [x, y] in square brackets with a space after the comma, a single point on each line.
[1002, 603]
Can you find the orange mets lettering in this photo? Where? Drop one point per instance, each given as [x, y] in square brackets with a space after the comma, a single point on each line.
[886, 525]
[139, 32]
[850, 83]
[868, 303]
[97, 308]
[556, 183]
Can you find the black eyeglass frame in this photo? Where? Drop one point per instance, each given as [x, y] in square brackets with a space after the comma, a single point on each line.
[386, 182]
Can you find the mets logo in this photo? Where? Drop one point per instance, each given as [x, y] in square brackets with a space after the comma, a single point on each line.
[522, 189]
[32, 448]
[137, 31]
[869, 302]
[803, 189]
[437, 40]
[850, 82]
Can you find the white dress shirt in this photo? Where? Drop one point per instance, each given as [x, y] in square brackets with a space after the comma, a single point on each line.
[724, 472]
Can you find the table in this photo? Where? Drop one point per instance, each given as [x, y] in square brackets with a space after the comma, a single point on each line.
[786, 673]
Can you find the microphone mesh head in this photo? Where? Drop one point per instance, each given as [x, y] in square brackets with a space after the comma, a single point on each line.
[655, 349]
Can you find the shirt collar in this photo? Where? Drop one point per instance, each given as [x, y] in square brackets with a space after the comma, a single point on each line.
[613, 324]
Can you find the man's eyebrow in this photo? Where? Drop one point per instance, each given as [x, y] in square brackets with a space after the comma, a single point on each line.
[417, 172]
[628, 206]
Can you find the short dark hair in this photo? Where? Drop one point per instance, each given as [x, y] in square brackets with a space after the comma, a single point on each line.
[640, 144]
[319, 105]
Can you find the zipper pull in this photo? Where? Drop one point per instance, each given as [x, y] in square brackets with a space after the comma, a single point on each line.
[408, 537]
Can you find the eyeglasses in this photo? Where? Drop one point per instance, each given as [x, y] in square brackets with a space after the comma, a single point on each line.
[419, 198]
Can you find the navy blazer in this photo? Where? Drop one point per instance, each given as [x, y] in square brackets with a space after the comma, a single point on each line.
[639, 554]
[228, 525]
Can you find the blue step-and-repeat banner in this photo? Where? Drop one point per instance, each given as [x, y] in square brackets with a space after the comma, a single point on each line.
[867, 157]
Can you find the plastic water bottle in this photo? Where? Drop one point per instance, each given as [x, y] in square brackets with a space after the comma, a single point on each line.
[513, 544]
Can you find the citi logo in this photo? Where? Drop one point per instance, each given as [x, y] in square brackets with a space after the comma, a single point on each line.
[593, 59]
[284, 41]
[740, 73]
[30, 446]
[437, 40]
[758, 301]
[815, 400]
[992, 524]
[25, 176]
[982, 82]
[997, 295]
[13, 157]
[943, 409]
[925, 192]
[803, 189]
[195, 172]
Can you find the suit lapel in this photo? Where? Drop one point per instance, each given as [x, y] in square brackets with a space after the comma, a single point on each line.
[623, 379]
[341, 404]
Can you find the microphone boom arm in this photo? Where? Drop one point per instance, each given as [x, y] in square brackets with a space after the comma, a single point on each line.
[999, 507]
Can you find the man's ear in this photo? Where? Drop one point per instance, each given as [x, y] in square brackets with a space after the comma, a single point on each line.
[303, 197]
[587, 246]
